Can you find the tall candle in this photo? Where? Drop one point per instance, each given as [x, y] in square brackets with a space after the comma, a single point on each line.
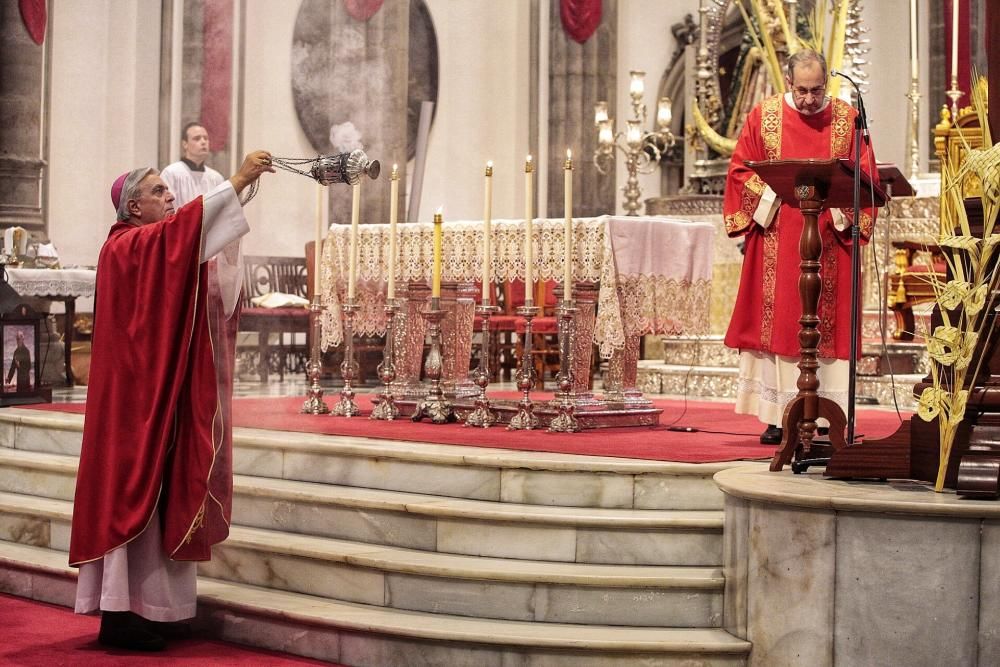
[568, 233]
[352, 263]
[529, 278]
[436, 267]
[487, 232]
[393, 217]
[914, 68]
[954, 42]
[318, 250]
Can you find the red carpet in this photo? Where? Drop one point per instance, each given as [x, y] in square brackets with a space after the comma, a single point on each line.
[35, 633]
[720, 435]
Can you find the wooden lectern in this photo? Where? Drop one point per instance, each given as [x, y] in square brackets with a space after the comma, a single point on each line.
[816, 185]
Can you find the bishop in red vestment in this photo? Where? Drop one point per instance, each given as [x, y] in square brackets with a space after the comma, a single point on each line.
[802, 123]
[155, 480]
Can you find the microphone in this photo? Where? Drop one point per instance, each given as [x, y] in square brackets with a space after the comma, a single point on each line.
[837, 72]
[862, 115]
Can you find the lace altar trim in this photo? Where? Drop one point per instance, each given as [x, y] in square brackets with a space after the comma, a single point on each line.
[627, 305]
[52, 282]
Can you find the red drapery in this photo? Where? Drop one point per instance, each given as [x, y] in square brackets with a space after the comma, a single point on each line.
[217, 70]
[34, 17]
[362, 10]
[580, 18]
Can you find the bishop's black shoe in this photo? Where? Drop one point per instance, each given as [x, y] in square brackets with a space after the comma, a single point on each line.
[123, 629]
[771, 435]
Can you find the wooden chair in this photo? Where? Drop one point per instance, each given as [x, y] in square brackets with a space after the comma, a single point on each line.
[367, 348]
[544, 331]
[501, 332]
[263, 275]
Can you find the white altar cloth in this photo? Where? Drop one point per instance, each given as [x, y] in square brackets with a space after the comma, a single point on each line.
[654, 273]
[53, 283]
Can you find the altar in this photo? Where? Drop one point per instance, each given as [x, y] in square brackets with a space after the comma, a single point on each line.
[631, 276]
[65, 285]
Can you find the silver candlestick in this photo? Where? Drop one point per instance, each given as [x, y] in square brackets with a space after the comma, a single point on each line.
[565, 421]
[913, 141]
[346, 407]
[434, 406]
[314, 404]
[525, 419]
[386, 409]
[954, 94]
[483, 416]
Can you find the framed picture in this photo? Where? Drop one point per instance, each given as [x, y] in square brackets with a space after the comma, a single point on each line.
[20, 362]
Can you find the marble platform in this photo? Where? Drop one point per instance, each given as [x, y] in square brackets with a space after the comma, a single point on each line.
[822, 572]
[371, 552]
[704, 366]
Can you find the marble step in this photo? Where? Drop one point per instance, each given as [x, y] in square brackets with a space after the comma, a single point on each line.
[509, 476]
[370, 636]
[694, 382]
[698, 351]
[426, 581]
[432, 523]
[481, 528]
[469, 585]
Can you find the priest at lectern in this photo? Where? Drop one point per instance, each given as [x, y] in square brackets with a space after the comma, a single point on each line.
[803, 123]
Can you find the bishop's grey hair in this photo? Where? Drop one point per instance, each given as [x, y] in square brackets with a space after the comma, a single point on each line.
[130, 190]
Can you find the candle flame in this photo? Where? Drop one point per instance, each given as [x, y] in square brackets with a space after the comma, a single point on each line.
[489, 167]
[395, 172]
[569, 154]
[437, 216]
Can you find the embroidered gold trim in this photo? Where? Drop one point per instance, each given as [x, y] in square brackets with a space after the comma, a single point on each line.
[867, 223]
[840, 129]
[199, 520]
[770, 126]
[737, 222]
[752, 190]
[770, 284]
[827, 310]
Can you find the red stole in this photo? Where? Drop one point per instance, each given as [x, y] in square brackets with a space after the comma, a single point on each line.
[153, 429]
[767, 309]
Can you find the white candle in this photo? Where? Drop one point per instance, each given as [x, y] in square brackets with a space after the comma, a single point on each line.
[529, 278]
[568, 231]
[352, 262]
[487, 233]
[954, 42]
[914, 68]
[318, 250]
[393, 217]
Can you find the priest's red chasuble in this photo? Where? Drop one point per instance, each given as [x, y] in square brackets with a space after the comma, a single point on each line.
[767, 310]
[156, 432]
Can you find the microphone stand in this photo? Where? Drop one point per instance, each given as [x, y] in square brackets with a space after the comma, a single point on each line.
[860, 134]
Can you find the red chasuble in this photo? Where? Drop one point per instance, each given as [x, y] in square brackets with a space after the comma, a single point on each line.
[156, 432]
[767, 310]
